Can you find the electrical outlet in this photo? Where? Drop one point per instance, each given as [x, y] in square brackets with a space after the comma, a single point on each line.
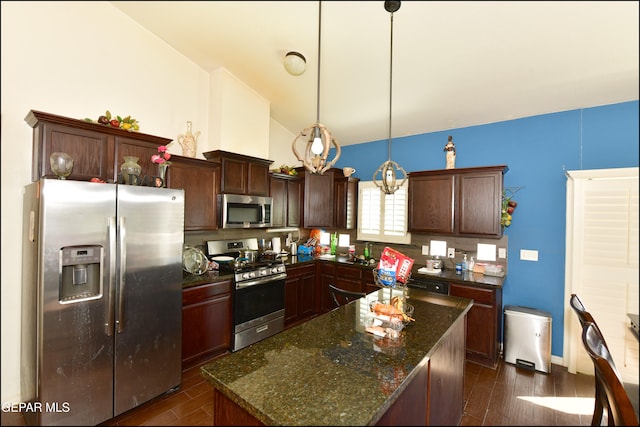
[502, 252]
[451, 252]
[528, 255]
[425, 250]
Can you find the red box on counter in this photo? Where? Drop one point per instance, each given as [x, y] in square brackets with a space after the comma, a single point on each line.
[392, 259]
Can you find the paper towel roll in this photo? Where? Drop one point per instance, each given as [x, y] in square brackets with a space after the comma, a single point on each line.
[276, 244]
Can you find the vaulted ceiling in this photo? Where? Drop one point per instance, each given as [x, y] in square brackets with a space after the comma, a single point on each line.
[455, 63]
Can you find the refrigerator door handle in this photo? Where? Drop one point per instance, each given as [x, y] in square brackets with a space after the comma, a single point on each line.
[123, 268]
[111, 230]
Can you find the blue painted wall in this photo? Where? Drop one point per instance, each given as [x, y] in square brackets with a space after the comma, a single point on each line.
[538, 151]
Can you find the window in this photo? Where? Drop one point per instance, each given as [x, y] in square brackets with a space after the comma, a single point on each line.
[382, 217]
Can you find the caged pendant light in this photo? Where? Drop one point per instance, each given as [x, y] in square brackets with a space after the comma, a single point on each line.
[317, 137]
[390, 175]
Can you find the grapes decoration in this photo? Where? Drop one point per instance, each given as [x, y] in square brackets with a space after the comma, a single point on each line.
[127, 123]
[508, 206]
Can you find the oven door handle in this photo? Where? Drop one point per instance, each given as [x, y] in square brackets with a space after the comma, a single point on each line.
[261, 280]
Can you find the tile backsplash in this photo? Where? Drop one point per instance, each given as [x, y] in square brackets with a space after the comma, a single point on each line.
[462, 245]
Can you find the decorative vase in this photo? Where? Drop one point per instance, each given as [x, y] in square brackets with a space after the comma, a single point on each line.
[188, 142]
[162, 173]
[61, 164]
[131, 170]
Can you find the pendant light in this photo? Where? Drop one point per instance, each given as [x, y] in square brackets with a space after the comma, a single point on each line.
[390, 176]
[317, 137]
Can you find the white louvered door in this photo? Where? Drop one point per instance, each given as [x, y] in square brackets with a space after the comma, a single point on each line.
[602, 263]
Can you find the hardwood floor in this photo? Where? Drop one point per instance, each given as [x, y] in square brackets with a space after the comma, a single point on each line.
[504, 396]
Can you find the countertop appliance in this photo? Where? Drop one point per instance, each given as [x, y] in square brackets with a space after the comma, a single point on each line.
[243, 211]
[258, 293]
[101, 298]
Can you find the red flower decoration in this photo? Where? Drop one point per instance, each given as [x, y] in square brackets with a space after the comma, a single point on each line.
[163, 156]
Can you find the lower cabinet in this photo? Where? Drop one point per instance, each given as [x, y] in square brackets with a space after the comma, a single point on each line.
[483, 322]
[299, 294]
[349, 278]
[206, 322]
[326, 274]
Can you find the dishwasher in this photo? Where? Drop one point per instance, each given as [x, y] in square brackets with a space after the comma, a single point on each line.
[429, 284]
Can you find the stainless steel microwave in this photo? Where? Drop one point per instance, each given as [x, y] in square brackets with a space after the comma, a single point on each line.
[240, 211]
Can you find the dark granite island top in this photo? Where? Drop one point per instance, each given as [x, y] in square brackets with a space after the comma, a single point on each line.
[330, 371]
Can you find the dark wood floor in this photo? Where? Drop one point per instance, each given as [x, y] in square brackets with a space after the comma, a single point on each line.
[504, 396]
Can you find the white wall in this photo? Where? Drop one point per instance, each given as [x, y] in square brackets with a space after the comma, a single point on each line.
[280, 140]
[77, 59]
[239, 119]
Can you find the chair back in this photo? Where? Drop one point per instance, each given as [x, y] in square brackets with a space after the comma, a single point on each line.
[619, 408]
[584, 316]
[580, 310]
[343, 296]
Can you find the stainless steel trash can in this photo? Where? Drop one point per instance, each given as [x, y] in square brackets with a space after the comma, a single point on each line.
[527, 338]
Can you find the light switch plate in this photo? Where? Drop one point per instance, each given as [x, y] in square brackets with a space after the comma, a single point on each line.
[451, 252]
[528, 255]
[502, 252]
[425, 250]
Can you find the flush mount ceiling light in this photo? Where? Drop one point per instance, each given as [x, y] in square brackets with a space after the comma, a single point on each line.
[295, 63]
[317, 137]
[390, 176]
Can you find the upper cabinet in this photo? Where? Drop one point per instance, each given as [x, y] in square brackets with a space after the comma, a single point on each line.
[330, 200]
[459, 202]
[200, 180]
[97, 150]
[240, 174]
[346, 201]
[318, 199]
[287, 193]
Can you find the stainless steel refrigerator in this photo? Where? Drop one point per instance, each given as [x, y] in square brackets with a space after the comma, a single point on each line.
[101, 299]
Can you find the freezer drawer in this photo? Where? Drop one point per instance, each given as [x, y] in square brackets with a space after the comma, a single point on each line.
[527, 338]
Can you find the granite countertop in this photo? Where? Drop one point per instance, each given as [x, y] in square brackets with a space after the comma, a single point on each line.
[190, 280]
[329, 370]
[469, 278]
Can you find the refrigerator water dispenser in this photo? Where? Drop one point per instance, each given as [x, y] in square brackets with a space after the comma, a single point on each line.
[80, 273]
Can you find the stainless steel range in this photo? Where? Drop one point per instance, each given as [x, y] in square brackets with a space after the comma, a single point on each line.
[258, 292]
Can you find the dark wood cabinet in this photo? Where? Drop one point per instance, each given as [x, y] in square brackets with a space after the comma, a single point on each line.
[199, 179]
[368, 282]
[241, 174]
[326, 275]
[446, 386]
[346, 202]
[459, 202]
[299, 294]
[330, 200]
[287, 194]
[206, 322]
[348, 278]
[97, 150]
[483, 322]
[319, 200]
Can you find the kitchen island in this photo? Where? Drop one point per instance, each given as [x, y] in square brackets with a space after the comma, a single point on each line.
[330, 371]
